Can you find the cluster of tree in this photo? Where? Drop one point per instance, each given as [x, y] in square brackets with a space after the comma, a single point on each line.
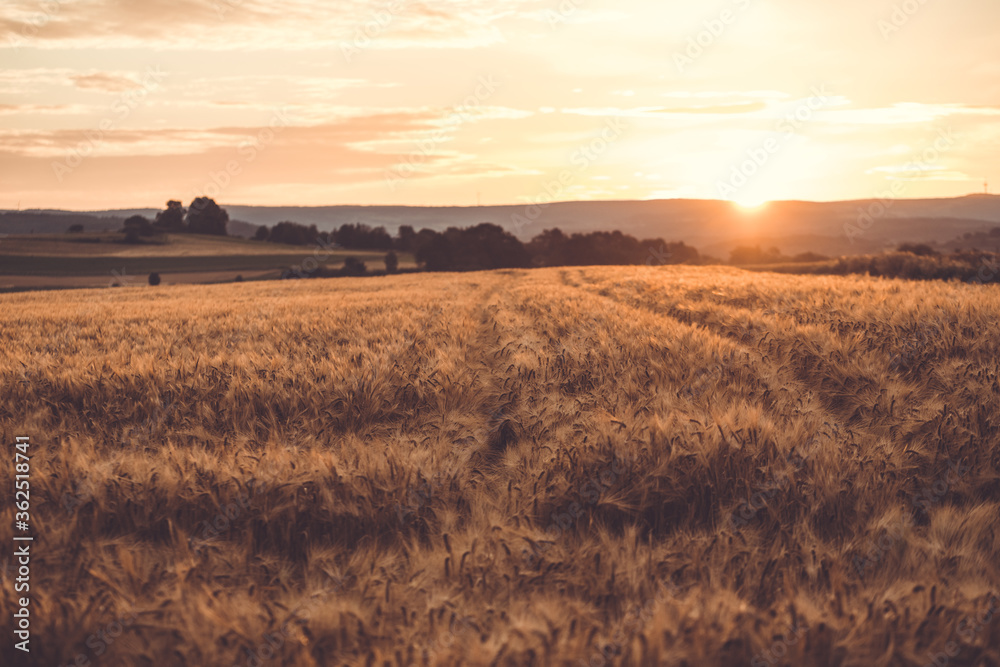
[292, 233]
[352, 267]
[485, 246]
[351, 236]
[553, 248]
[204, 216]
[138, 227]
[360, 236]
[488, 246]
[968, 266]
[919, 249]
[749, 255]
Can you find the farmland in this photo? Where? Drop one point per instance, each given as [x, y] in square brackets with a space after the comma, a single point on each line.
[667, 465]
[97, 260]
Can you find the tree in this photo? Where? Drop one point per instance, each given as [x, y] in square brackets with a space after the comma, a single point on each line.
[434, 251]
[262, 233]
[361, 236]
[139, 225]
[353, 267]
[75, 229]
[154, 279]
[548, 248]
[553, 248]
[391, 262]
[292, 233]
[407, 239]
[206, 217]
[486, 246]
[172, 218]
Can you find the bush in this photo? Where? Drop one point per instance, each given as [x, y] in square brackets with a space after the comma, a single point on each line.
[154, 279]
[353, 267]
[391, 262]
[809, 257]
[975, 266]
[918, 249]
[140, 225]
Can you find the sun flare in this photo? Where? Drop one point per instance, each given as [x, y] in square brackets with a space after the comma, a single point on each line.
[750, 204]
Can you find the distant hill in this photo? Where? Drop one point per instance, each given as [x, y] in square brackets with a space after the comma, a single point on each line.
[714, 227]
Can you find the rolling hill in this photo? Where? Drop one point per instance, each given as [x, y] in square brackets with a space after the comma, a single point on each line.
[714, 227]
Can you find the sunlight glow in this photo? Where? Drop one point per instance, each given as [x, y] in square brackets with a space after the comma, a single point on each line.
[750, 204]
[533, 89]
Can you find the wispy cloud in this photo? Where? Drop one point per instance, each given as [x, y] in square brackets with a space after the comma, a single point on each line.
[104, 81]
[905, 113]
[739, 107]
[253, 24]
[358, 130]
[44, 109]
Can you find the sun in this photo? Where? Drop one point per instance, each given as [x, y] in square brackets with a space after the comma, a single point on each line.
[750, 204]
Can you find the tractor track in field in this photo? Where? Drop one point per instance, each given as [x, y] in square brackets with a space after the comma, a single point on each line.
[793, 361]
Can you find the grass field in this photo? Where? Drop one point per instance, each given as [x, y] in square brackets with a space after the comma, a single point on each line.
[679, 466]
[66, 260]
[110, 245]
[104, 266]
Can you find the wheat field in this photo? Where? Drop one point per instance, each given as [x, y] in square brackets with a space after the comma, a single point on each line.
[593, 466]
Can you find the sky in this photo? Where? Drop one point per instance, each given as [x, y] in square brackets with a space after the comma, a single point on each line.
[128, 103]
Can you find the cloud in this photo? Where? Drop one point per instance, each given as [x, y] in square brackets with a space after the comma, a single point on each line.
[104, 81]
[31, 81]
[728, 94]
[910, 172]
[43, 109]
[252, 24]
[739, 107]
[653, 112]
[904, 113]
[181, 141]
[257, 89]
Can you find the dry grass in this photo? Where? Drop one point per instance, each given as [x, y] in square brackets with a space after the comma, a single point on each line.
[179, 245]
[579, 466]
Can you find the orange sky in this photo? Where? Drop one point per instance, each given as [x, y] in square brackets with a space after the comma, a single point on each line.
[128, 103]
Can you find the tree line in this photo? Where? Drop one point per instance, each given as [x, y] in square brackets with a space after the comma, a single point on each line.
[481, 247]
[488, 246]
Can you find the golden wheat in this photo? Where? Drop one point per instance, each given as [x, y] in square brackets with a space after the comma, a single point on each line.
[593, 466]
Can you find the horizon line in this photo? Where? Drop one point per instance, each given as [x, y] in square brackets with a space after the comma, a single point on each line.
[516, 204]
